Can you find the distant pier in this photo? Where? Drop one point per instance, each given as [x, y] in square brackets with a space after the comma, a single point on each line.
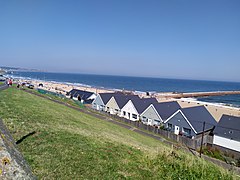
[196, 94]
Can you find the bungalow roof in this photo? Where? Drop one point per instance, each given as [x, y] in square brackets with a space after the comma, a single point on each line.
[107, 96]
[197, 115]
[84, 95]
[142, 104]
[166, 109]
[228, 127]
[121, 100]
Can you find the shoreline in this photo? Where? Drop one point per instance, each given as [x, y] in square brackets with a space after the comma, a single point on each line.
[216, 109]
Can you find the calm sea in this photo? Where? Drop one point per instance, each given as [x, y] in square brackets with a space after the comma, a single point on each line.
[142, 84]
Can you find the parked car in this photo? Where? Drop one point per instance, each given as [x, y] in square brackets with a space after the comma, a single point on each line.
[30, 86]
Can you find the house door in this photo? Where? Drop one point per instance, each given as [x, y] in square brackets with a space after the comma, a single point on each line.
[111, 111]
[149, 122]
[129, 115]
[176, 130]
[98, 107]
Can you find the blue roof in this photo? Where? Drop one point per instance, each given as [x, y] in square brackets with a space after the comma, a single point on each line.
[197, 115]
[107, 96]
[166, 109]
[228, 127]
[142, 104]
[84, 95]
[121, 100]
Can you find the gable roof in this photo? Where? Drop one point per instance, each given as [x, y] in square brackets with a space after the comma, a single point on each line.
[121, 100]
[166, 109]
[84, 95]
[228, 127]
[197, 115]
[107, 96]
[142, 104]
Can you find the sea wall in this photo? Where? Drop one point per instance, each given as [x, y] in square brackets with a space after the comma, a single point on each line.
[12, 164]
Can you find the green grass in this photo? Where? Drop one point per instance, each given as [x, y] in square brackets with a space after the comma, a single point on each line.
[72, 145]
[1, 83]
[58, 98]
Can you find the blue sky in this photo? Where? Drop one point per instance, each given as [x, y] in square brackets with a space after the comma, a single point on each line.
[153, 38]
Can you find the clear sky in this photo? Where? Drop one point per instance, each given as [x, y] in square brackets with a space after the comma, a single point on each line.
[154, 38]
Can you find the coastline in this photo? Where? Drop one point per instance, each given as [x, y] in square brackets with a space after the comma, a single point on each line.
[216, 109]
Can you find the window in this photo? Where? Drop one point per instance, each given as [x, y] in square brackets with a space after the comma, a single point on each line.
[144, 119]
[170, 126]
[124, 113]
[156, 122]
[134, 116]
[186, 131]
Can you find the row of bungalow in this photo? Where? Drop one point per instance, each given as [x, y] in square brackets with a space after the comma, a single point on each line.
[190, 122]
[187, 122]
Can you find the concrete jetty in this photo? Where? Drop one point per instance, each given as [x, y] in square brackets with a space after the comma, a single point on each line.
[196, 94]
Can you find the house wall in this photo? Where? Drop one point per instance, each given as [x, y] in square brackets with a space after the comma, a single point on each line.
[151, 115]
[98, 104]
[130, 110]
[93, 96]
[112, 106]
[179, 120]
[227, 143]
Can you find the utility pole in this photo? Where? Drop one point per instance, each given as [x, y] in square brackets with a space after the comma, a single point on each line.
[202, 139]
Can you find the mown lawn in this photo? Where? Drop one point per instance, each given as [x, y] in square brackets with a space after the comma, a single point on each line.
[72, 145]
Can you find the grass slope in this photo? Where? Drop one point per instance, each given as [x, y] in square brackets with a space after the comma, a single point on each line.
[72, 145]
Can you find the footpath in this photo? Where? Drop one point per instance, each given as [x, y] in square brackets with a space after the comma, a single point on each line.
[126, 126]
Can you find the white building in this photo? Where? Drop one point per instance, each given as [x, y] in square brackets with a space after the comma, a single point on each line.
[227, 133]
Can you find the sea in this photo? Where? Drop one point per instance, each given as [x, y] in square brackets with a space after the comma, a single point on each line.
[142, 84]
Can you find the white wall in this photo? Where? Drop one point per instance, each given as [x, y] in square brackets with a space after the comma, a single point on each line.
[130, 110]
[227, 143]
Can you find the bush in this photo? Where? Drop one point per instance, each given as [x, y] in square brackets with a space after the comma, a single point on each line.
[238, 162]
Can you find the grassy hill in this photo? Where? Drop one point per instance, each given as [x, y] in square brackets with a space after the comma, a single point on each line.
[72, 145]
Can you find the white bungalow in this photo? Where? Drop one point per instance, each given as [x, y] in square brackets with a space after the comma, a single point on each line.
[227, 133]
[135, 107]
[116, 103]
[157, 113]
[101, 100]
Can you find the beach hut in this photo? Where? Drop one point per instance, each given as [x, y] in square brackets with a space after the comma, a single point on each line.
[157, 113]
[134, 107]
[189, 122]
[116, 103]
[227, 133]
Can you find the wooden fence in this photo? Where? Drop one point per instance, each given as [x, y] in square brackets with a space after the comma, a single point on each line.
[190, 143]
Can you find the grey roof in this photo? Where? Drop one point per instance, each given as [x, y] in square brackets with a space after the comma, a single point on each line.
[197, 115]
[121, 100]
[107, 96]
[228, 127]
[84, 95]
[166, 109]
[142, 104]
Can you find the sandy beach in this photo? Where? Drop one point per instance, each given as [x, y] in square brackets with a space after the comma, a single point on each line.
[217, 110]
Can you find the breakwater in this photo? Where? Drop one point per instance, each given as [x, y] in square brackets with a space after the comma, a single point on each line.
[196, 94]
